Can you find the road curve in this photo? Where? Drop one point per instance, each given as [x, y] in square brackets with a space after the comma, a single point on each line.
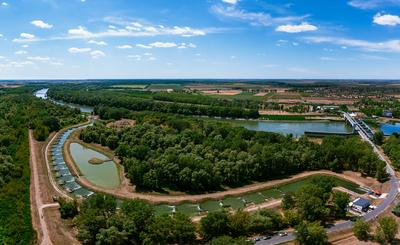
[394, 190]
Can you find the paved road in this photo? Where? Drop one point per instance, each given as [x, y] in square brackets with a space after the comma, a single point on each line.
[394, 190]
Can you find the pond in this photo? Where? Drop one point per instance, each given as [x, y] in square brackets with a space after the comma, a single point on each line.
[104, 175]
[238, 202]
[43, 95]
[390, 128]
[297, 129]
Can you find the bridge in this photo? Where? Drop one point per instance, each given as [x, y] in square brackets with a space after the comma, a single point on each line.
[359, 126]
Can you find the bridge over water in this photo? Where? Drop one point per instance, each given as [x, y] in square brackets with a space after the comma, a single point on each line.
[359, 125]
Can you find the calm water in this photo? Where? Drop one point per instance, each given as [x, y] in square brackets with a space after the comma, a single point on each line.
[104, 175]
[296, 128]
[390, 128]
[43, 95]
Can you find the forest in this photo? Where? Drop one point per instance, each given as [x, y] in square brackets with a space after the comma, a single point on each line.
[391, 147]
[19, 110]
[196, 155]
[120, 100]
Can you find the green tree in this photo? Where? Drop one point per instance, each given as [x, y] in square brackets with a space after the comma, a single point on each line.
[111, 236]
[311, 234]
[386, 230]
[361, 230]
[378, 138]
[214, 225]
[340, 201]
[239, 224]
[224, 240]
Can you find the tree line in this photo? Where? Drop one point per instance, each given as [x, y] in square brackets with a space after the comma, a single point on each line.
[100, 98]
[196, 155]
[135, 222]
[20, 110]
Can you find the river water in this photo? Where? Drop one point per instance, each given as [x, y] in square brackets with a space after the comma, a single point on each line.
[295, 128]
[43, 95]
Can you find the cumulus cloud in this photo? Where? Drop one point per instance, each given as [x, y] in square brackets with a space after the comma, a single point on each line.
[373, 4]
[4, 4]
[27, 36]
[20, 52]
[97, 54]
[386, 46]
[166, 45]
[126, 46]
[100, 43]
[303, 27]
[231, 1]
[38, 58]
[41, 24]
[386, 19]
[254, 18]
[75, 50]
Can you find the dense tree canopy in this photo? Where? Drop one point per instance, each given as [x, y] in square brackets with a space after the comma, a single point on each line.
[199, 155]
[19, 111]
[112, 105]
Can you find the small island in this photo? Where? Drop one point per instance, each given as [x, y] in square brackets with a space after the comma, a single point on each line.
[97, 161]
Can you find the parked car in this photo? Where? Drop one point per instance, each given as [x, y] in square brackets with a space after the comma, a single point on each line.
[282, 233]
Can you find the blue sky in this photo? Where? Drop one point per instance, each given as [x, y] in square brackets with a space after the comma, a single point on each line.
[80, 39]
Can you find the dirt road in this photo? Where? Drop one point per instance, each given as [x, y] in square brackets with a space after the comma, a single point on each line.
[36, 196]
[46, 218]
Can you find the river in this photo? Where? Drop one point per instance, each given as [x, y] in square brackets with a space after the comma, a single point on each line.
[297, 128]
[43, 95]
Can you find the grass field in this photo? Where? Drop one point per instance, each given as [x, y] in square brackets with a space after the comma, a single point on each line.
[130, 86]
[242, 96]
[175, 87]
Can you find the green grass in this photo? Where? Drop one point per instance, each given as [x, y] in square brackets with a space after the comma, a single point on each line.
[256, 198]
[165, 86]
[284, 117]
[210, 206]
[162, 209]
[188, 209]
[241, 96]
[130, 86]
[233, 202]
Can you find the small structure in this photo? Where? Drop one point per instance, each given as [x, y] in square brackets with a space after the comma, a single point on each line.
[388, 114]
[360, 205]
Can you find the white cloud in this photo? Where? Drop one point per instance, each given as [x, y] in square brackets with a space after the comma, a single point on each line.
[386, 46]
[136, 30]
[38, 58]
[254, 18]
[303, 27]
[97, 54]
[143, 46]
[4, 4]
[74, 50]
[386, 19]
[136, 57]
[372, 4]
[1, 35]
[27, 36]
[231, 1]
[20, 52]
[100, 43]
[187, 45]
[25, 46]
[126, 46]
[163, 45]
[41, 24]
[166, 45]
